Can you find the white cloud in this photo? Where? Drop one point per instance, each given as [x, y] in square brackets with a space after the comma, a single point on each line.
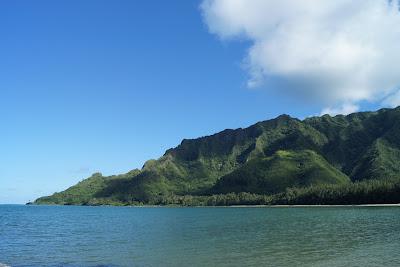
[392, 100]
[344, 109]
[336, 52]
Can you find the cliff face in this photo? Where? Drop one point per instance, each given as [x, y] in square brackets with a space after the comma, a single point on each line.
[265, 158]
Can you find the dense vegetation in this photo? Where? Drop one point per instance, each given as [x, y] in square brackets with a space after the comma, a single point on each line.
[352, 159]
[282, 170]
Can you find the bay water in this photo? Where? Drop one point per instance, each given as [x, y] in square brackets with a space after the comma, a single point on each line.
[164, 236]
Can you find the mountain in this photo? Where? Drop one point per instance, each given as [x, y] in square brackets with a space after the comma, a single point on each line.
[284, 169]
[266, 159]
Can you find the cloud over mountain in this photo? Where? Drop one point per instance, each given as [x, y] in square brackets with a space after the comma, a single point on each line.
[338, 53]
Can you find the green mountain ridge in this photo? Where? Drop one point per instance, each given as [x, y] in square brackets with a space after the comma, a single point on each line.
[284, 169]
[268, 158]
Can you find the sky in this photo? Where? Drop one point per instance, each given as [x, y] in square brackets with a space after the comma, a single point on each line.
[102, 86]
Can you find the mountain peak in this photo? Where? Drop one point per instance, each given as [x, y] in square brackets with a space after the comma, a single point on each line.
[267, 157]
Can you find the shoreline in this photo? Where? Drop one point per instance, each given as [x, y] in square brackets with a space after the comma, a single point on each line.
[232, 206]
[316, 206]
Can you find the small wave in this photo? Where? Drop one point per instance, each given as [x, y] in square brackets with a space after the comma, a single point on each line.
[4, 265]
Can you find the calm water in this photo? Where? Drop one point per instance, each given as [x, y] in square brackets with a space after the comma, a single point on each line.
[123, 236]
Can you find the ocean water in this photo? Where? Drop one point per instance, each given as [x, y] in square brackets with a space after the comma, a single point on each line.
[129, 236]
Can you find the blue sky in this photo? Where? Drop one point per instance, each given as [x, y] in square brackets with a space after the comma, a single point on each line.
[96, 85]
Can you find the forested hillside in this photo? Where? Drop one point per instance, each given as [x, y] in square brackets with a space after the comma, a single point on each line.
[341, 159]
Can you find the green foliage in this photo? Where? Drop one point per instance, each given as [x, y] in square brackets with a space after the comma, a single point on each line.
[281, 170]
[84, 193]
[382, 191]
[284, 159]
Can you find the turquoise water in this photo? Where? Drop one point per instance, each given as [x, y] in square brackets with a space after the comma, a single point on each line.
[126, 236]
